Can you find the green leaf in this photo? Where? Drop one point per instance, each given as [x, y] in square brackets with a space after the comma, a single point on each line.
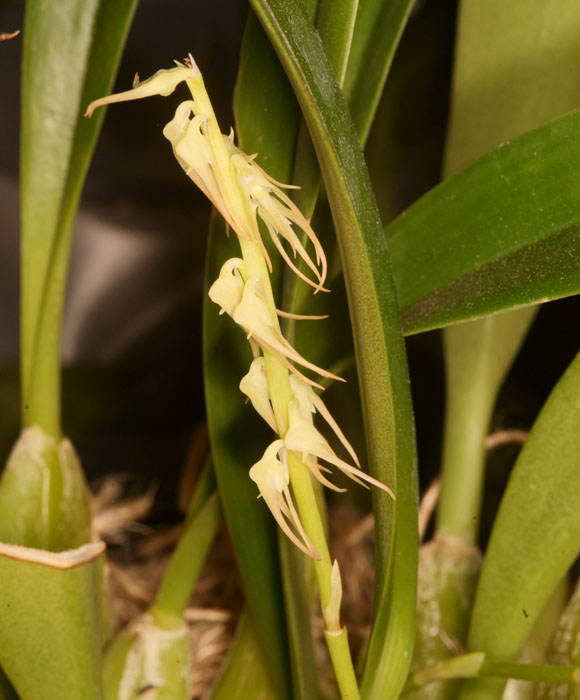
[71, 52]
[298, 582]
[536, 535]
[7, 691]
[185, 564]
[244, 676]
[501, 234]
[335, 22]
[378, 29]
[531, 72]
[50, 623]
[380, 352]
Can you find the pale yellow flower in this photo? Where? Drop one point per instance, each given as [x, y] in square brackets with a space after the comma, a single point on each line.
[255, 386]
[271, 476]
[228, 289]
[304, 439]
[253, 315]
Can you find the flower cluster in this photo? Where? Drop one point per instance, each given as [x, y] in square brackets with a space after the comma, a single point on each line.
[244, 195]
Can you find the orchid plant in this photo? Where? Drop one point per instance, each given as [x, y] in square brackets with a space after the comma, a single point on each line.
[473, 256]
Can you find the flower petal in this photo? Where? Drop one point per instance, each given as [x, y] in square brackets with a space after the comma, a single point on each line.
[162, 83]
[308, 398]
[228, 289]
[255, 386]
[303, 437]
[253, 315]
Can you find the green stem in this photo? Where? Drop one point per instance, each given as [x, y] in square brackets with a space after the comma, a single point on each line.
[539, 673]
[185, 565]
[314, 527]
[478, 355]
[467, 416]
[41, 380]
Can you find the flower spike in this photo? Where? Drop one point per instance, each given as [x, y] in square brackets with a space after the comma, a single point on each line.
[251, 201]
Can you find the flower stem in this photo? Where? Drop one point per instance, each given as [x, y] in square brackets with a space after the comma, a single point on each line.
[281, 394]
[314, 527]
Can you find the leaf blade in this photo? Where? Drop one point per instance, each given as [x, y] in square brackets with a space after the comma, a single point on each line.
[56, 146]
[536, 534]
[526, 194]
[382, 364]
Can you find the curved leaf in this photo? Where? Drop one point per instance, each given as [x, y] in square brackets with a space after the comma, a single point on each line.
[57, 143]
[493, 100]
[378, 29]
[243, 676]
[380, 352]
[536, 535]
[503, 233]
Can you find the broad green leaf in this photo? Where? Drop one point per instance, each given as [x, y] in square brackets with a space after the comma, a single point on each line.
[335, 23]
[536, 535]
[71, 52]
[380, 352]
[362, 58]
[50, 627]
[531, 72]
[501, 234]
